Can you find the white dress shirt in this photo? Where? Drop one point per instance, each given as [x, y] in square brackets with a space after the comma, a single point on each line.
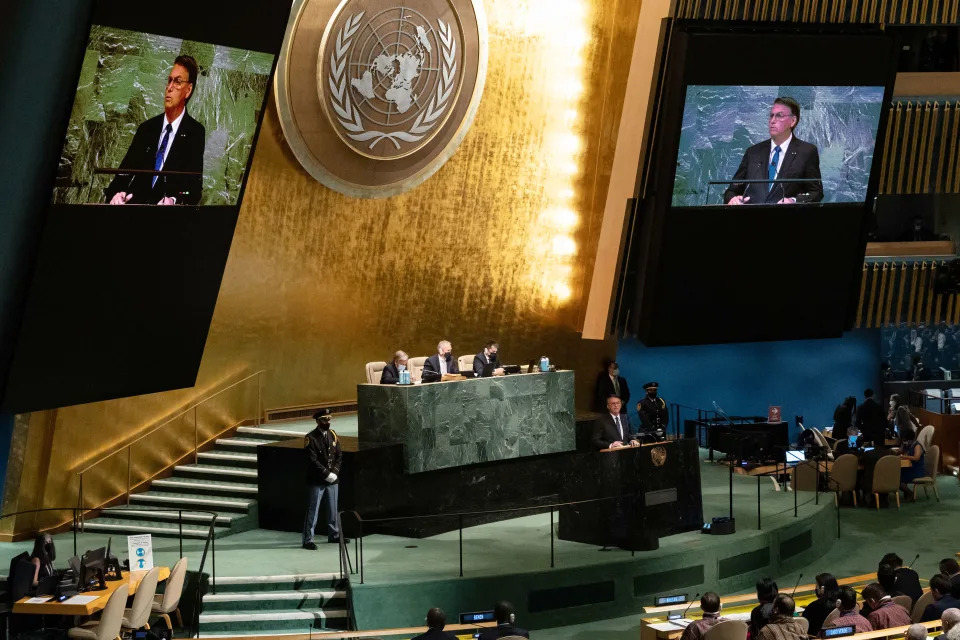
[443, 364]
[173, 134]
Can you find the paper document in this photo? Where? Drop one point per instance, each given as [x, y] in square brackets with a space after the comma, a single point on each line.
[672, 625]
[80, 599]
[743, 617]
[39, 600]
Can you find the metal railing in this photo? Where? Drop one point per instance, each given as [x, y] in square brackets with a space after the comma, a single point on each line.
[196, 439]
[208, 545]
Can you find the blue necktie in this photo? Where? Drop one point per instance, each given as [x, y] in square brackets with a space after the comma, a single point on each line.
[158, 160]
[772, 169]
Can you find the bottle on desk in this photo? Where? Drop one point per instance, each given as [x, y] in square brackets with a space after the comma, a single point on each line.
[544, 363]
[404, 377]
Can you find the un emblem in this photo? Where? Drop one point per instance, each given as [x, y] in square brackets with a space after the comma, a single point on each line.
[395, 87]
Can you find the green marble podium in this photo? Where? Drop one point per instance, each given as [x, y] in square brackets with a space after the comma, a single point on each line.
[449, 424]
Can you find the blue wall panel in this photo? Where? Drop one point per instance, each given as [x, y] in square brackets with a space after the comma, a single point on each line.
[804, 377]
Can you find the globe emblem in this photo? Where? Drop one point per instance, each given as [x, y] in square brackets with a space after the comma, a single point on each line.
[391, 79]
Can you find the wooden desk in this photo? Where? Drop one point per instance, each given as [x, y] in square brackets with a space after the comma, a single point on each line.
[131, 578]
[767, 469]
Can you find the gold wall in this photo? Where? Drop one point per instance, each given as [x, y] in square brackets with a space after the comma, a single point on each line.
[499, 243]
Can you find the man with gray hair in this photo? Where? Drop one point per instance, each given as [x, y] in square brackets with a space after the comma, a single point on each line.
[916, 632]
[440, 363]
[950, 620]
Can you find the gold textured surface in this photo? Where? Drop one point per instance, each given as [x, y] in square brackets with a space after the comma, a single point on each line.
[497, 244]
[820, 11]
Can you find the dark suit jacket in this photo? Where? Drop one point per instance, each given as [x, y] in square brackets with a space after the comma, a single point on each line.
[605, 390]
[436, 634]
[872, 421]
[503, 630]
[801, 161]
[908, 583]
[186, 154]
[433, 364]
[935, 610]
[605, 431]
[390, 374]
[479, 361]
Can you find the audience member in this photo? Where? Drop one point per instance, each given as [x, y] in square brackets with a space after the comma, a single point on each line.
[908, 582]
[916, 632]
[871, 420]
[943, 599]
[953, 634]
[816, 612]
[950, 619]
[885, 613]
[902, 418]
[782, 624]
[436, 621]
[710, 605]
[505, 627]
[766, 592]
[849, 616]
[950, 569]
[44, 553]
[913, 451]
[887, 578]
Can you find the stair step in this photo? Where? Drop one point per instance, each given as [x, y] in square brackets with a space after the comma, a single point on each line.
[215, 470]
[228, 456]
[195, 501]
[197, 485]
[272, 434]
[260, 584]
[249, 444]
[274, 600]
[146, 513]
[134, 526]
[281, 619]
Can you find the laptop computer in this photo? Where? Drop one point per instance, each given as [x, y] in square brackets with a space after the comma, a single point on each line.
[795, 457]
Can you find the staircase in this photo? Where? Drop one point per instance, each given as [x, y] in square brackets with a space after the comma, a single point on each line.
[224, 480]
[275, 605]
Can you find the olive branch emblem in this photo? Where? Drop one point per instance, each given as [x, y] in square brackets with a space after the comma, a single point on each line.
[349, 114]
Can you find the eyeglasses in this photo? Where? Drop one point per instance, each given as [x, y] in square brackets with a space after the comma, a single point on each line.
[780, 116]
[177, 82]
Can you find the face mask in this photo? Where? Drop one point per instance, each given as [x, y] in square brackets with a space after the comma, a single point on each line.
[493, 357]
[401, 367]
[447, 356]
[616, 372]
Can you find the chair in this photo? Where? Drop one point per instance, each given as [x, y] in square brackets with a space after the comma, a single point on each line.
[169, 601]
[416, 367]
[904, 601]
[108, 627]
[823, 442]
[922, 603]
[727, 630]
[833, 615]
[931, 463]
[465, 362]
[374, 371]
[886, 478]
[804, 624]
[925, 437]
[803, 477]
[843, 476]
[138, 615]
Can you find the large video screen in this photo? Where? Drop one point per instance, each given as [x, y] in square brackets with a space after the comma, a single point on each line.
[793, 144]
[161, 120]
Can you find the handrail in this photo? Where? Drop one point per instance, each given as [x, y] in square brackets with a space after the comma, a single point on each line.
[169, 420]
[196, 444]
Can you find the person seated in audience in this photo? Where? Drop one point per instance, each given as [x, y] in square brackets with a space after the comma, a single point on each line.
[884, 612]
[826, 592]
[710, 605]
[849, 616]
[44, 553]
[505, 627]
[950, 621]
[916, 632]
[436, 621]
[903, 418]
[908, 582]
[913, 451]
[953, 634]
[766, 592]
[950, 569]
[782, 624]
[887, 578]
[391, 372]
[943, 599]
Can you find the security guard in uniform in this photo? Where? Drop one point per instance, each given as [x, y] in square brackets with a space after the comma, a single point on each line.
[654, 415]
[324, 458]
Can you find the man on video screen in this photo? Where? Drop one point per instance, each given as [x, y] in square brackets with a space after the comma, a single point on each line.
[781, 157]
[171, 141]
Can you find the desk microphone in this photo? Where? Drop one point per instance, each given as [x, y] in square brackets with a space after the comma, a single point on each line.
[684, 614]
[796, 585]
[912, 561]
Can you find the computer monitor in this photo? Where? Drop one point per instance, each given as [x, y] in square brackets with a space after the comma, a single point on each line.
[92, 567]
[795, 457]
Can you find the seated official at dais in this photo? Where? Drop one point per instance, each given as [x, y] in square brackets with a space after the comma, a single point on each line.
[612, 429]
[391, 372]
[487, 359]
[440, 363]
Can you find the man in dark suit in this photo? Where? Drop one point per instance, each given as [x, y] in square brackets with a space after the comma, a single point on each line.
[943, 599]
[391, 372]
[505, 627]
[871, 420]
[781, 157]
[951, 570]
[171, 141]
[906, 580]
[611, 383]
[612, 429]
[485, 357]
[436, 621]
[440, 363]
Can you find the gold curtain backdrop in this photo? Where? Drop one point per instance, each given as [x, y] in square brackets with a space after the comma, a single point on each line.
[498, 244]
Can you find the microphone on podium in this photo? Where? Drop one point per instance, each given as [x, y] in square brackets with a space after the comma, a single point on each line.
[915, 558]
[799, 577]
[684, 615]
